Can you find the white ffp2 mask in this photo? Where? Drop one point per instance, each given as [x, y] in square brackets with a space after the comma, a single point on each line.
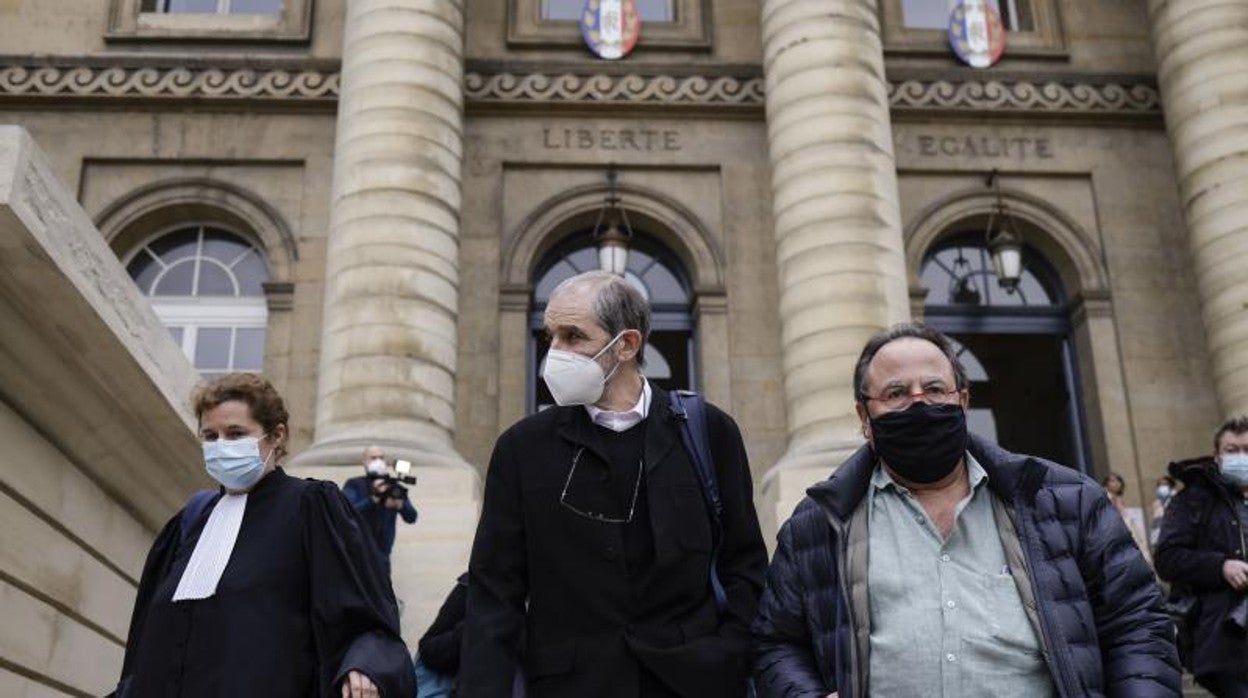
[575, 379]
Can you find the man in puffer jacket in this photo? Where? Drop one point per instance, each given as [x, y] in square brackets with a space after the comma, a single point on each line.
[933, 563]
[1201, 551]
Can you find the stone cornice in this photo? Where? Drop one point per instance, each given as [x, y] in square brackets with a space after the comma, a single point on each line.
[492, 87]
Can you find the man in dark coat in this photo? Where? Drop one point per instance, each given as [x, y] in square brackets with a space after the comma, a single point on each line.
[934, 563]
[1201, 551]
[595, 543]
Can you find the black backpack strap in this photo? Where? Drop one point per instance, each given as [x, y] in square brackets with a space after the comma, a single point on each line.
[193, 512]
[690, 409]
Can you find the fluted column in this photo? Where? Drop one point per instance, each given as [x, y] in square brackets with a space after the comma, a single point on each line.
[1202, 58]
[837, 222]
[388, 344]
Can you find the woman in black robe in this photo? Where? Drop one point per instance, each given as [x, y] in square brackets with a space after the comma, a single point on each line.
[301, 607]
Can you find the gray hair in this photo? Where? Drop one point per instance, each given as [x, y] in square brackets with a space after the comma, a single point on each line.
[618, 305]
[916, 330]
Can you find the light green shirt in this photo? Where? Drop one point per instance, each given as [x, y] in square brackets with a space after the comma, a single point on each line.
[946, 618]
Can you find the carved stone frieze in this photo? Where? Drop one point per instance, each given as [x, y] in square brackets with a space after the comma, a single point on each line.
[615, 89]
[294, 85]
[994, 95]
[154, 82]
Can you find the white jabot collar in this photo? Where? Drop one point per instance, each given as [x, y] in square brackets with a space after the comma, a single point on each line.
[213, 549]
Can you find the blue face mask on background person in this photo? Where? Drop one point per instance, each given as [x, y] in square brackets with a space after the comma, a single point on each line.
[1235, 468]
[235, 464]
[1163, 492]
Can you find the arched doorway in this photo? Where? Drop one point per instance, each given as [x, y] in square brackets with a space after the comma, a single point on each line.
[1016, 346]
[655, 271]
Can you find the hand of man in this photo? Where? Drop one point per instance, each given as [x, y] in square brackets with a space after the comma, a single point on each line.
[379, 489]
[357, 685]
[1235, 572]
[394, 503]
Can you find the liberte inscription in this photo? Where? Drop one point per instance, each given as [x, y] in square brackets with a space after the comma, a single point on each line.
[642, 140]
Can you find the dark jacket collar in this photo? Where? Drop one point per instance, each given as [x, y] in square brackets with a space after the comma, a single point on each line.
[662, 429]
[1010, 476]
[1201, 471]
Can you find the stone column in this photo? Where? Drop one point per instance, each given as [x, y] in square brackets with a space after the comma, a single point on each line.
[837, 222]
[388, 343]
[1202, 58]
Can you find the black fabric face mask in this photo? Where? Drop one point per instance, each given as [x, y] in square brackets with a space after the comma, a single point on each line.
[922, 443]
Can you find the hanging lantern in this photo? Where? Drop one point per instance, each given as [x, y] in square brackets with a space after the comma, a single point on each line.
[612, 232]
[1004, 242]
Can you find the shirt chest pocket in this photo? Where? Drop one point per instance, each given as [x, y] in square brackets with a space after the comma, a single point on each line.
[1005, 612]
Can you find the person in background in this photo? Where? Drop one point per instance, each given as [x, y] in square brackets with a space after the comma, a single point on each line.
[437, 653]
[1163, 490]
[1202, 553]
[437, 656]
[267, 585]
[1115, 487]
[370, 495]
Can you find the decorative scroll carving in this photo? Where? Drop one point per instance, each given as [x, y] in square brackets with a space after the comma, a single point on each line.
[995, 95]
[152, 82]
[628, 89]
[309, 85]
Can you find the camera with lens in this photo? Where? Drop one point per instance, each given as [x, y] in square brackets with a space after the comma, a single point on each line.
[392, 486]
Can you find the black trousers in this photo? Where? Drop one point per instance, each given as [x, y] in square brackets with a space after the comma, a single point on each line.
[1225, 685]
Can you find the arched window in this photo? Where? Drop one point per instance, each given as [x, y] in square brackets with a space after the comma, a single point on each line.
[654, 271]
[1015, 346]
[205, 284]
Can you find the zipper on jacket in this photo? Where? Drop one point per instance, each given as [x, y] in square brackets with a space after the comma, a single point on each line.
[843, 580]
[1045, 631]
[1243, 548]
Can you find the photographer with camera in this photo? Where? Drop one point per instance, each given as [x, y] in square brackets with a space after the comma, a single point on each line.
[379, 496]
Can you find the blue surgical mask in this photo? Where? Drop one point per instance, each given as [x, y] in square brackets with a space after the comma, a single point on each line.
[1163, 492]
[1235, 468]
[235, 464]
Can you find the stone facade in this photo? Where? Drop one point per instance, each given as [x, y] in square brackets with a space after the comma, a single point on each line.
[740, 142]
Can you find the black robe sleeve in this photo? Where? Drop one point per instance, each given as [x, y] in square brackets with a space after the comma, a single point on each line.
[159, 560]
[354, 616]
